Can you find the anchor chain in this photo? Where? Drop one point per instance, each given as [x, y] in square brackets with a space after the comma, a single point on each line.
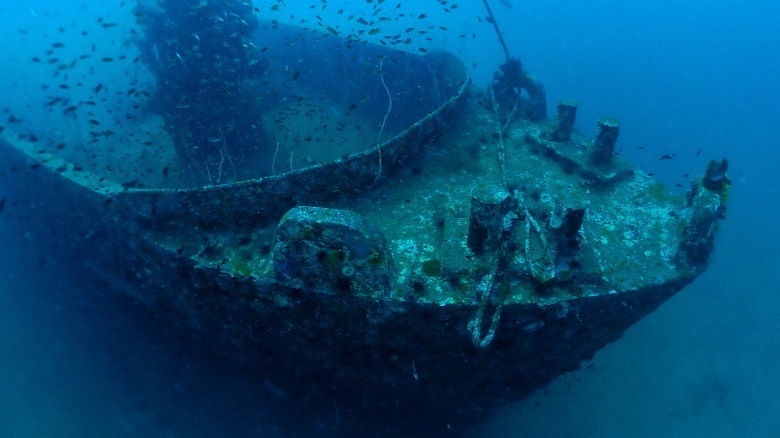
[486, 286]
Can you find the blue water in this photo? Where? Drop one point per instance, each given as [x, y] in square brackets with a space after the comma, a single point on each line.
[680, 76]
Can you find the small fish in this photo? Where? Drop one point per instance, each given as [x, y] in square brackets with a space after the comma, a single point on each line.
[697, 153]
[666, 157]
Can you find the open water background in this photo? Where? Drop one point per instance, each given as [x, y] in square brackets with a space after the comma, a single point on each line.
[680, 76]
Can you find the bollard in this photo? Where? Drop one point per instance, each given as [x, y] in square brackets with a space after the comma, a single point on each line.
[486, 223]
[604, 146]
[567, 114]
[715, 178]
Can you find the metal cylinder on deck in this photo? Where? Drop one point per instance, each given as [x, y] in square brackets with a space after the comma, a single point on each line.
[604, 146]
[715, 178]
[567, 115]
[488, 208]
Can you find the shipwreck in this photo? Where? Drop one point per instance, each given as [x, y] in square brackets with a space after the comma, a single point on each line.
[361, 223]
